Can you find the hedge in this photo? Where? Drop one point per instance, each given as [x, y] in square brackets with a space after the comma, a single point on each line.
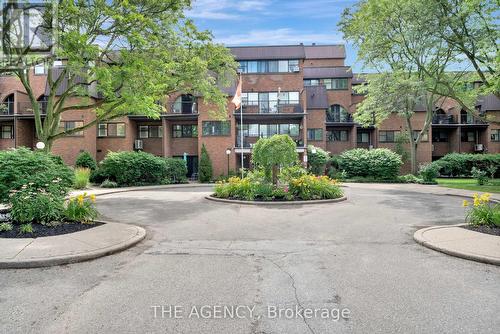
[461, 164]
[139, 168]
[379, 163]
[85, 160]
[22, 167]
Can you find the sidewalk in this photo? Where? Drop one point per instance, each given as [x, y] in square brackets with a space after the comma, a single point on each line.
[105, 191]
[456, 241]
[69, 248]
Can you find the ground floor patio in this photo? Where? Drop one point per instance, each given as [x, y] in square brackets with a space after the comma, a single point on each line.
[358, 255]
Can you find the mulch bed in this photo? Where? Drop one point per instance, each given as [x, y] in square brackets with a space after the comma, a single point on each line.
[484, 229]
[40, 230]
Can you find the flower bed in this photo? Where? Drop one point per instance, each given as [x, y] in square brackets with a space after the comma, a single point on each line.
[482, 215]
[302, 188]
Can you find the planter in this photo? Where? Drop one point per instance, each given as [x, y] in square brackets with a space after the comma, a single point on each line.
[276, 203]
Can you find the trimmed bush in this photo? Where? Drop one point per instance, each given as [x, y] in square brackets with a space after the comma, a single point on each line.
[460, 164]
[85, 160]
[317, 161]
[205, 170]
[109, 184]
[379, 163]
[132, 169]
[176, 170]
[429, 173]
[41, 171]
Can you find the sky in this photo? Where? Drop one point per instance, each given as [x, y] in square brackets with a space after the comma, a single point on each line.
[274, 22]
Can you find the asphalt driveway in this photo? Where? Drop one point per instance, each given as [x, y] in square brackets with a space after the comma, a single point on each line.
[356, 257]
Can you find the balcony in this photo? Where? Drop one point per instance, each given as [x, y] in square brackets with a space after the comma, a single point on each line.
[184, 108]
[443, 119]
[471, 120]
[26, 108]
[272, 107]
[339, 118]
[249, 142]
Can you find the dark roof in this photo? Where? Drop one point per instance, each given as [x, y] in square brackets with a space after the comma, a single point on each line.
[327, 72]
[358, 78]
[268, 52]
[488, 103]
[231, 90]
[64, 84]
[324, 51]
[316, 97]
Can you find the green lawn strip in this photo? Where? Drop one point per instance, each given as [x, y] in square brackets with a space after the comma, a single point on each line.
[493, 186]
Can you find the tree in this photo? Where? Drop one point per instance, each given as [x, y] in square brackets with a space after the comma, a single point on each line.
[317, 160]
[120, 58]
[205, 170]
[272, 153]
[393, 37]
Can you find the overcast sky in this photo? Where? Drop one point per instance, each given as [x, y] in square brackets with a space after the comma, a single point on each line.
[274, 22]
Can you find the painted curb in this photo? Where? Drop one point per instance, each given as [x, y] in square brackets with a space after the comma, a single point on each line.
[322, 201]
[74, 258]
[418, 236]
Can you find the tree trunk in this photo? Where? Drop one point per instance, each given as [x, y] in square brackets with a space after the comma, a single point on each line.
[275, 174]
[413, 157]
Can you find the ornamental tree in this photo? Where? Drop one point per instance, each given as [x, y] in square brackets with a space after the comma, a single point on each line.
[120, 58]
[272, 153]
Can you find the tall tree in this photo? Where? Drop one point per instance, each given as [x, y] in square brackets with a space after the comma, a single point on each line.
[120, 57]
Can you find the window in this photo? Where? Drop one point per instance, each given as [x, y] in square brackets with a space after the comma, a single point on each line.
[469, 136]
[268, 101]
[337, 135]
[314, 134]
[425, 136]
[6, 132]
[58, 63]
[150, 131]
[387, 136]
[216, 128]
[40, 69]
[311, 82]
[184, 131]
[269, 66]
[363, 137]
[337, 114]
[439, 136]
[495, 135]
[69, 125]
[332, 84]
[111, 130]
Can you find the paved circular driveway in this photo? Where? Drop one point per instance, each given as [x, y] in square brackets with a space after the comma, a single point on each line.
[357, 255]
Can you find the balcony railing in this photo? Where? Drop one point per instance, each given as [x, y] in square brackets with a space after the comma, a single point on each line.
[7, 108]
[444, 119]
[469, 119]
[332, 117]
[272, 107]
[26, 108]
[183, 108]
[249, 142]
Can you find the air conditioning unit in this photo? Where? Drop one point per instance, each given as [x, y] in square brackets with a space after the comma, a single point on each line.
[295, 69]
[478, 147]
[138, 144]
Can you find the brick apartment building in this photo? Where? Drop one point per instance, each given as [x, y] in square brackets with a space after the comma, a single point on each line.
[303, 91]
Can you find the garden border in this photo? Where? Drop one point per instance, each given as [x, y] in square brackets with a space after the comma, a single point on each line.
[276, 203]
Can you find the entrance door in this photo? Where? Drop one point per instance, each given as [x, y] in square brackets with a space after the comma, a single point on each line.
[192, 165]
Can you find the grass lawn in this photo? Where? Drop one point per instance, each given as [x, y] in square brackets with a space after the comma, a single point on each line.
[493, 186]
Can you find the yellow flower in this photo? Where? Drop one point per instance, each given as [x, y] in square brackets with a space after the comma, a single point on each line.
[80, 199]
[485, 198]
[92, 198]
[465, 203]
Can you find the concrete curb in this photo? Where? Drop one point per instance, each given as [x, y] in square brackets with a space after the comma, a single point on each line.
[418, 236]
[143, 188]
[322, 201]
[139, 235]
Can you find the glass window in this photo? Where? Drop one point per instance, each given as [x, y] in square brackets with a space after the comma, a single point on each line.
[184, 131]
[58, 63]
[155, 131]
[273, 66]
[293, 98]
[40, 69]
[315, 134]
[253, 130]
[337, 135]
[468, 136]
[283, 66]
[387, 136]
[143, 131]
[311, 82]
[272, 129]
[284, 129]
[111, 130]
[425, 136]
[495, 135]
[102, 130]
[363, 137]
[7, 132]
[337, 114]
[252, 66]
[439, 136]
[216, 128]
[70, 125]
[328, 83]
[243, 67]
[293, 66]
[294, 130]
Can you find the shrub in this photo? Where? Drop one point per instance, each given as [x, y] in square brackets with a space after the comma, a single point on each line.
[176, 170]
[292, 172]
[81, 209]
[272, 153]
[82, 176]
[379, 163]
[6, 227]
[32, 204]
[43, 171]
[409, 178]
[317, 160]
[109, 184]
[132, 169]
[26, 229]
[482, 212]
[429, 173]
[334, 173]
[480, 176]
[460, 164]
[310, 187]
[98, 175]
[85, 160]
[205, 170]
